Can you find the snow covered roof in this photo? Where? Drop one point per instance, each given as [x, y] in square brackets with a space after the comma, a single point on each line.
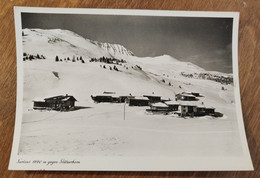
[189, 103]
[209, 107]
[140, 98]
[172, 102]
[38, 99]
[60, 97]
[152, 95]
[109, 92]
[103, 94]
[188, 95]
[159, 104]
[67, 98]
[201, 106]
[189, 92]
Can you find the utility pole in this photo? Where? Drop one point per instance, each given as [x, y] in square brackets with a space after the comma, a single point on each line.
[124, 110]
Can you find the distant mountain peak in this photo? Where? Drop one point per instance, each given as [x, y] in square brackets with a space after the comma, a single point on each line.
[114, 49]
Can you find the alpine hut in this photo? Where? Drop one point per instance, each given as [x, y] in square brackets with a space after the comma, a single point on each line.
[173, 105]
[60, 103]
[138, 101]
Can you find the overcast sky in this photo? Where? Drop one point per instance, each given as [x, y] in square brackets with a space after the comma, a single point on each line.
[204, 41]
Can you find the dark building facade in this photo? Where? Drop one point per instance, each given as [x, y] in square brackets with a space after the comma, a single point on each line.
[59, 103]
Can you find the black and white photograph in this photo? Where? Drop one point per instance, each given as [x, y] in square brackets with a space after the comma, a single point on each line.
[159, 87]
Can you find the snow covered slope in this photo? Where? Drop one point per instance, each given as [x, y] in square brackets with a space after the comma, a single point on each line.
[162, 74]
[64, 43]
[99, 129]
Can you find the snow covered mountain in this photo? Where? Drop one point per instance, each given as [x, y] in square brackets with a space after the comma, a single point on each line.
[65, 43]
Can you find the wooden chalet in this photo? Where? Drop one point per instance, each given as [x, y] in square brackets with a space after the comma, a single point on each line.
[59, 103]
[188, 108]
[210, 111]
[173, 105]
[153, 98]
[102, 98]
[185, 97]
[159, 106]
[192, 108]
[110, 97]
[138, 101]
[196, 94]
[200, 110]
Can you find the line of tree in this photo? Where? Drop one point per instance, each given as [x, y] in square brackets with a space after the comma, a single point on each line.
[31, 57]
[108, 60]
[110, 67]
[57, 59]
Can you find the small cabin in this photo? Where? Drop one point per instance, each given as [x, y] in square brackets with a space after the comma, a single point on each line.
[138, 101]
[200, 110]
[40, 104]
[60, 103]
[210, 111]
[185, 97]
[102, 98]
[173, 105]
[196, 94]
[188, 108]
[153, 98]
[159, 106]
[193, 108]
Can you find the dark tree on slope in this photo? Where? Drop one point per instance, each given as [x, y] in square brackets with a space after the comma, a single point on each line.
[82, 61]
[81, 58]
[68, 58]
[57, 59]
[31, 57]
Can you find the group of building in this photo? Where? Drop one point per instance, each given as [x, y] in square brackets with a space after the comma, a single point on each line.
[185, 103]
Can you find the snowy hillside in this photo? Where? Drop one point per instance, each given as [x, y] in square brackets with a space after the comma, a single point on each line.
[99, 129]
[65, 43]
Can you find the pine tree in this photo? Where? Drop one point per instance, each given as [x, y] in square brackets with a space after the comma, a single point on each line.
[31, 57]
[57, 59]
[73, 59]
